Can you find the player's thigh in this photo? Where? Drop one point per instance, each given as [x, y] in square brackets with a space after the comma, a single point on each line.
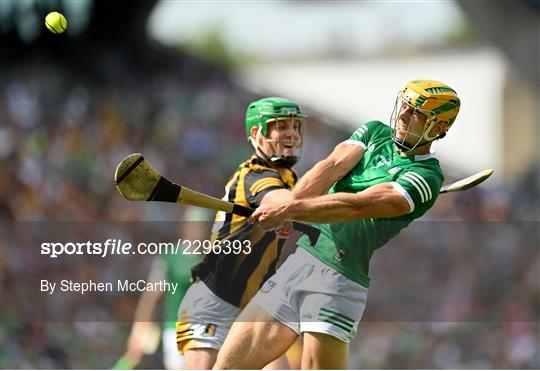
[322, 351]
[255, 340]
[200, 359]
[204, 320]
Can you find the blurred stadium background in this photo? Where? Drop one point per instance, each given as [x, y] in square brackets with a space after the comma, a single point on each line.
[171, 79]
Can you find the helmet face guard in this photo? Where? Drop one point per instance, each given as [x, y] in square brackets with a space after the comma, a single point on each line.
[409, 140]
[284, 152]
[433, 99]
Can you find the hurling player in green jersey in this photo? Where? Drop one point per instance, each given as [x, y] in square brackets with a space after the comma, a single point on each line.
[368, 189]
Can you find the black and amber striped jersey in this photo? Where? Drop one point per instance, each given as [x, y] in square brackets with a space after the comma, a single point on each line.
[236, 278]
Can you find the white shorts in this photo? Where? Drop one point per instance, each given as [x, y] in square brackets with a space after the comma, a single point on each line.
[309, 296]
[204, 319]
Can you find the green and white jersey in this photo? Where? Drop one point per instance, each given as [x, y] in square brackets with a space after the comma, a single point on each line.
[348, 247]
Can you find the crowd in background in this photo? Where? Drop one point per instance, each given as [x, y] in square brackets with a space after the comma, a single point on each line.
[459, 289]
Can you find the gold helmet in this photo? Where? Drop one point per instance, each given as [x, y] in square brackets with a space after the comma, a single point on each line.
[436, 100]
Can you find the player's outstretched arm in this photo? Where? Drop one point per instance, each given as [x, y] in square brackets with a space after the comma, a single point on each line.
[378, 201]
[277, 196]
[325, 173]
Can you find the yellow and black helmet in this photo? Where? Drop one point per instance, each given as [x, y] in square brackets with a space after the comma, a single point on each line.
[433, 98]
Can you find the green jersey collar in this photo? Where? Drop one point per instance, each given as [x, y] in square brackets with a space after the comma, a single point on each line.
[416, 157]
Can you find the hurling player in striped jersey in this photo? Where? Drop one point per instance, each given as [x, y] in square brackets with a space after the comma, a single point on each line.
[226, 281]
[369, 188]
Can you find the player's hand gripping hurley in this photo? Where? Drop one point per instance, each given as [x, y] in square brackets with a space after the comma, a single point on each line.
[137, 180]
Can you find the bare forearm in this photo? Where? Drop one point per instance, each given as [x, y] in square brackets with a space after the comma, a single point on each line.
[325, 173]
[315, 182]
[343, 207]
[326, 209]
[277, 195]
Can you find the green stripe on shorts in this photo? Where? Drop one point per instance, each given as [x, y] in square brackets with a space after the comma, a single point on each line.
[330, 321]
[329, 312]
[336, 319]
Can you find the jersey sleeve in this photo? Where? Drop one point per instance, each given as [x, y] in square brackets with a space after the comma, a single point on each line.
[420, 187]
[363, 135]
[258, 183]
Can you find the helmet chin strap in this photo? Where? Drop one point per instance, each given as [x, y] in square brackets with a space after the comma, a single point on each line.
[405, 149]
[277, 161]
[280, 160]
[274, 160]
[284, 161]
